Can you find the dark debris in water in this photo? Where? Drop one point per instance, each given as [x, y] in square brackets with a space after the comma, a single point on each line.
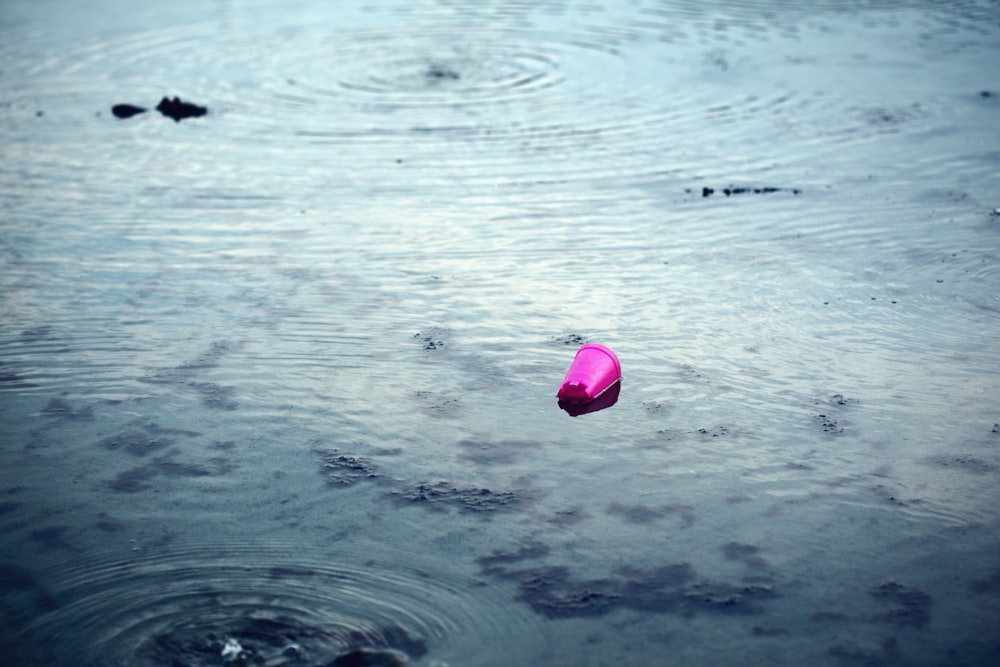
[837, 400]
[828, 424]
[734, 190]
[432, 338]
[570, 339]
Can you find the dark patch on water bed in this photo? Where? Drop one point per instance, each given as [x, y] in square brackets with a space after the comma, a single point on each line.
[745, 553]
[760, 631]
[345, 469]
[58, 407]
[108, 524]
[493, 562]
[52, 538]
[886, 654]
[15, 579]
[963, 462]
[643, 514]
[136, 444]
[987, 586]
[139, 478]
[907, 607]
[282, 640]
[487, 453]
[439, 496]
[153, 427]
[568, 517]
[552, 591]
[9, 506]
[12, 378]
[213, 396]
[439, 405]
[910, 606]
[22, 601]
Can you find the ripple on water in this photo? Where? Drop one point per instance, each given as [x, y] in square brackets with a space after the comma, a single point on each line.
[209, 607]
[495, 98]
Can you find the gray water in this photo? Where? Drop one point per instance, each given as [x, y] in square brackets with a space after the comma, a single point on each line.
[283, 376]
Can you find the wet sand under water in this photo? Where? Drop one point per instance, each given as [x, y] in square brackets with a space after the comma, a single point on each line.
[277, 382]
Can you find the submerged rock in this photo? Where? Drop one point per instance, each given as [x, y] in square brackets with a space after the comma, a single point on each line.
[179, 110]
[126, 110]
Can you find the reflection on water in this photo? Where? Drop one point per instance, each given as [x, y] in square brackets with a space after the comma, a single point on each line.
[277, 381]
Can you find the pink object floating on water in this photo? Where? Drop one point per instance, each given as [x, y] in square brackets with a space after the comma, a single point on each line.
[593, 371]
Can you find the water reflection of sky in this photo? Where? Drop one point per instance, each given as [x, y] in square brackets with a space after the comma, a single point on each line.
[286, 374]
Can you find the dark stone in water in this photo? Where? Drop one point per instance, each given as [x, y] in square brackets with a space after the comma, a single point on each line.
[179, 110]
[126, 110]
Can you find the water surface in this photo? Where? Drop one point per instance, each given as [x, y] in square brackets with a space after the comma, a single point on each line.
[285, 374]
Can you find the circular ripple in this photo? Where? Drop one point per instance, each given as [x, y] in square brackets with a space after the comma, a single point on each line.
[247, 606]
[530, 96]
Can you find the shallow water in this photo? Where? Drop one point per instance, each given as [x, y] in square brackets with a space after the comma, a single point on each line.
[284, 375]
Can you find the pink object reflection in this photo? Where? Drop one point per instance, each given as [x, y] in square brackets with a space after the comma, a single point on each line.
[593, 371]
[605, 400]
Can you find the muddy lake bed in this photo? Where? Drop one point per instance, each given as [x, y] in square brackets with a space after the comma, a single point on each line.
[277, 380]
